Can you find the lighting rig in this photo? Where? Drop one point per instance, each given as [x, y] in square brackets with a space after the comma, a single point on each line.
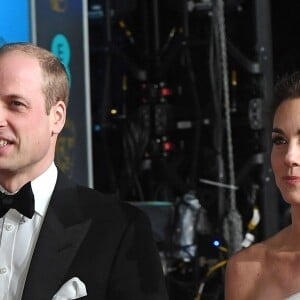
[180, 97]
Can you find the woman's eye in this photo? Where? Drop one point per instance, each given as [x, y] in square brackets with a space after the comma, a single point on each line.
[278, 140]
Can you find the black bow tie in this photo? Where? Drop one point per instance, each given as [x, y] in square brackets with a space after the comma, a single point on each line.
[22, 201]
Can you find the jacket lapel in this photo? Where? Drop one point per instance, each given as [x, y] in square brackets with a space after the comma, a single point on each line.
[62, 232]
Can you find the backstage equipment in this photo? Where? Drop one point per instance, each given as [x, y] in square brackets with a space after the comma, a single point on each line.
[175, 122]
[233, 228]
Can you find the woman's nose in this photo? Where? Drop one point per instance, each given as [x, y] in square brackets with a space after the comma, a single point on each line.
[292, 157]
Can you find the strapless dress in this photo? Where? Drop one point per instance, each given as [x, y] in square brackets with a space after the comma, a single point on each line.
[293, 297]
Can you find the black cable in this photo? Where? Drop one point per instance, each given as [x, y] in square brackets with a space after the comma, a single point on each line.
[195, 97]
[215, 74]
[107, 67]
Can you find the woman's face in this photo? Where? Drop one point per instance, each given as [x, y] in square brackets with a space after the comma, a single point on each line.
[285, 156]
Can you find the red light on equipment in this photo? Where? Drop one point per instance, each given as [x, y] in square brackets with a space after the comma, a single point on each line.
[167, 146]
[166, 91]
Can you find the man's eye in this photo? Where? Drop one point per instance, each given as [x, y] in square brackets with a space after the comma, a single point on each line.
[278, 140]
[17, 103]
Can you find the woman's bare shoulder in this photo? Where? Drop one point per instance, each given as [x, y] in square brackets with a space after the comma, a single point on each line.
[253, 256]
[258, 251]
[245, 272]
[250, 269]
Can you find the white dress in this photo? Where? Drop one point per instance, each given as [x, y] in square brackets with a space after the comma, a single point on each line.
[294, 297]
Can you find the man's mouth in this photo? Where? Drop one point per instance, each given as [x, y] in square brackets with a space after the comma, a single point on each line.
[3, 143]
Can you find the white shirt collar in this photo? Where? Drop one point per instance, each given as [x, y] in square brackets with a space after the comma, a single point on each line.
[42, 188]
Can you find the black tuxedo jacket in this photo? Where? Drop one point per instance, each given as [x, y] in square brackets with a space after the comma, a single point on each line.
[106, 244]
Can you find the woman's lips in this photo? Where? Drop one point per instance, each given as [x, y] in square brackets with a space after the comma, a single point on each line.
[291, 179]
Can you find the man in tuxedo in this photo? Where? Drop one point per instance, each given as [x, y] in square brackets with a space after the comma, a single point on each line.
[60, 240]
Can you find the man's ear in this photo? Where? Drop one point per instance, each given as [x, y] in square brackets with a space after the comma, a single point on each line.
[58, 116]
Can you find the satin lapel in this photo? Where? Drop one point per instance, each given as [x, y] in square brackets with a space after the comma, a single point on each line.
[63, 230]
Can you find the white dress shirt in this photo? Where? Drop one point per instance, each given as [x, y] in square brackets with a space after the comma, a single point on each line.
[18, 236]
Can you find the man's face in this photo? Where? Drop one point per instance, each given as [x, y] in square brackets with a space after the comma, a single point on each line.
[27, 134]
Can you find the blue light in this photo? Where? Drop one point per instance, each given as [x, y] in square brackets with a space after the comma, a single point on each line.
[14, 21]
[216, 243]
[97, 127]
